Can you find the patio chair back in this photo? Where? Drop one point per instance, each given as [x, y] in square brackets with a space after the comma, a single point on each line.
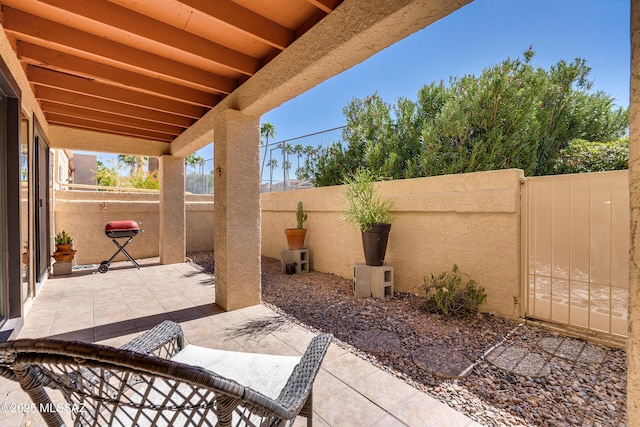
[105, 386]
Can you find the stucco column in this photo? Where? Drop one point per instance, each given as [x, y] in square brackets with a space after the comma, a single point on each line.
[633, 343]
[236, 209]
[172, 210]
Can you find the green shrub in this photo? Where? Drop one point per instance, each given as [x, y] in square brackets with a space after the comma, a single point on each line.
[586, 156]
[364, 207]
[142, 179]
[63, 238]
[449, 294]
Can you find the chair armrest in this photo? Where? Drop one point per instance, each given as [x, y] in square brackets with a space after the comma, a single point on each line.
[300, 383]
[164, 340]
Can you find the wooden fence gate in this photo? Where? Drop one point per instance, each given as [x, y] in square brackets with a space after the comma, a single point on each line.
[576, 250]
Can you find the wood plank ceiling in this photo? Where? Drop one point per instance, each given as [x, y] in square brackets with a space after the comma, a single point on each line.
[147, 68]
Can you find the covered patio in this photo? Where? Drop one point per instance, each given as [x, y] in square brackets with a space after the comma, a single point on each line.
[133, 78]
[113, 308]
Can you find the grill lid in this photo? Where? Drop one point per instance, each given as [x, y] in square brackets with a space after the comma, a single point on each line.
[126, 225]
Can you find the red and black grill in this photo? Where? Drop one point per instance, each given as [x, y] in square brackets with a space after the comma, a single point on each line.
[120, 230]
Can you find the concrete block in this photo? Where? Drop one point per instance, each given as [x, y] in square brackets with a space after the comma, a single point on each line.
[372, 281]
[61, 268]
[382, 281]
[361, 280]
[301, 257]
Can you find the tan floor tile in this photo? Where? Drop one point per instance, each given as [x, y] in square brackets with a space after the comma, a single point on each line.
[84, 335]
[69, 328]
[150, 320]
[326, 385]
[113, 330]
[317, 421]
[348, 408]
[335, 351]
[185, 314]
[383, 389]
[349, 367]
[40, 322]
[266, 344]
[421, 410]
[102, 320]
[115, 307]
[209, 309]
[389, 421]
[228, 344]
[295, 336]
[15, 418]
[228, 319]
[28, 332]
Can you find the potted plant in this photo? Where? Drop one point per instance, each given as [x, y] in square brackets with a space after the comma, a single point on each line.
[295, 236]
[370, 213]
[64, 247]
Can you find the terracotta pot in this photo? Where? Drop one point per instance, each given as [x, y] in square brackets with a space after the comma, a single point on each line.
[64, 256]
[295, 237]
[374, 242]
[63, 248]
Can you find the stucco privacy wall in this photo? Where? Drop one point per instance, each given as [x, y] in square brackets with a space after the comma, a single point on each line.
[472, 220]
[84, 214]
[633, 343]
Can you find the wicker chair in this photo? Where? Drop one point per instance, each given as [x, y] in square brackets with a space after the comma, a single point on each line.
[136, 385]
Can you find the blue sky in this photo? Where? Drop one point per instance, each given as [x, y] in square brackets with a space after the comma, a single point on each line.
[482, 33]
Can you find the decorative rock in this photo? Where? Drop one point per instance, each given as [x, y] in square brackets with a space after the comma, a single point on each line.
[441, 361]
[376, 341]
[518, 360]
[572, 349]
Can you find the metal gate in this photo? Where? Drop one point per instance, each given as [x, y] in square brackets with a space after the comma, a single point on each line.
[576, 246]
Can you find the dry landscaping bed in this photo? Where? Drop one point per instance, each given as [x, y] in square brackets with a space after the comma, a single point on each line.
[497, 371]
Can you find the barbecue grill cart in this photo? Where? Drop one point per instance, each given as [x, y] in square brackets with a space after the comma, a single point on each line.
[120, 230]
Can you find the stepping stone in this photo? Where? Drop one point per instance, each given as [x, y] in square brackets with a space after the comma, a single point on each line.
[376, 341]
[441, 361]
[572, 349]
[519, 360]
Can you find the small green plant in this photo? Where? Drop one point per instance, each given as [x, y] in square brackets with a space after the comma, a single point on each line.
[301, 217]
[63, 238]
[365, 208]
[448, 294]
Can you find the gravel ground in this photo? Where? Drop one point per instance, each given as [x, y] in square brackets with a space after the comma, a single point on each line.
[497, 371]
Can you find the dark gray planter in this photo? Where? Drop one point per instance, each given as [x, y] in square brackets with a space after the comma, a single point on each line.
[374, 242]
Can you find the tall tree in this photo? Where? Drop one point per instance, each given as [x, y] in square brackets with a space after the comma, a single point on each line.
[298, 150]
[195, 161]
[273, 163]
[267, 130]
[135, 163]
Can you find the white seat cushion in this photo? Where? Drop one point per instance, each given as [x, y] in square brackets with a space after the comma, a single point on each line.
[264, 373]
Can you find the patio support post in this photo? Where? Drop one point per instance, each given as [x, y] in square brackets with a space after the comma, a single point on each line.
[172, 210]
[236, 208]
[633, 342]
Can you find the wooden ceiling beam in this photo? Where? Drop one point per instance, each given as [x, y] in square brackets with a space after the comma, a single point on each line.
[248, 22]
[47, 58]
[91, 103]
[104, 127]
[116, 119]
[42, 32]
[43, 77]
[118, 23]
[326, 6]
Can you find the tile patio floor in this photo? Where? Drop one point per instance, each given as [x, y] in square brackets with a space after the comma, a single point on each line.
[114, 307]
